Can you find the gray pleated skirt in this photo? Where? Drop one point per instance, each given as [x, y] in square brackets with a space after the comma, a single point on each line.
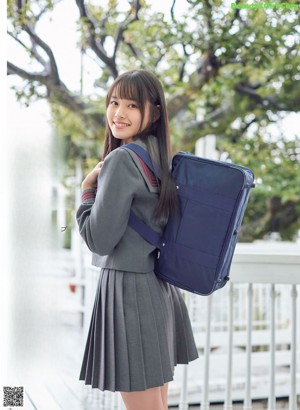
[139, 331]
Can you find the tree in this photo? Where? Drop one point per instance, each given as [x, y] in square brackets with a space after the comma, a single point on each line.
[226, 71]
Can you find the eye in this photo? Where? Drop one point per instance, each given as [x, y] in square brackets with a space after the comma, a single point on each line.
[133, 105]
[113, 102]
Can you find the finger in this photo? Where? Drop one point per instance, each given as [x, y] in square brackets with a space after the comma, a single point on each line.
[99, 165]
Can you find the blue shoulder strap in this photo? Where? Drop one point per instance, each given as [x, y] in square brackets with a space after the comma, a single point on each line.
[147, 233]
[143, 154]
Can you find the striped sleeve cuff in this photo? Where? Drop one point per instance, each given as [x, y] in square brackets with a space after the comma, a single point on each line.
[88, 196]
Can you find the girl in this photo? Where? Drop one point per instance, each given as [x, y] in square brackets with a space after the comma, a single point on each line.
[140, 328]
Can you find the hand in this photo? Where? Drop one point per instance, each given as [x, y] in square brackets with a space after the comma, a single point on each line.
[90, 181]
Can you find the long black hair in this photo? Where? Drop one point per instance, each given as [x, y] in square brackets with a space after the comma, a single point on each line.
[142, 86]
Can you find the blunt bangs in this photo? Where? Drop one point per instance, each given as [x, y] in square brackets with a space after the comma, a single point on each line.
[130, 88]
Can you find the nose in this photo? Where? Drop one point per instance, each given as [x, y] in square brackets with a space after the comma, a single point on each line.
[120, 113]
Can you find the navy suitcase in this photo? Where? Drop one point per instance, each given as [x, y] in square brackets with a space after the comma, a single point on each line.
[197, 246]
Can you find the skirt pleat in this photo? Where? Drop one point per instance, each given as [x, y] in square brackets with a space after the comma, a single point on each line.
[139, 331]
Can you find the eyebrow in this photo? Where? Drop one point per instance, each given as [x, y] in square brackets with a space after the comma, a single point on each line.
[114, 97]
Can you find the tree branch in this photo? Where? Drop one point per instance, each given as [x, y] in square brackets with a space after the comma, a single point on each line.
[172, 10]
[247, 124]
[49, 77]
[218, 113]
[33, 50]
[270, 100]
[182, 68]
[207, 69]
[29, 28]
[236, 15]
[13, 69]
[125, 24]
[37, 40]
[208, 16]
[43, 10]
[95, 45]
[280, 217]
[102, 28]
[136, 52]
[58, 92]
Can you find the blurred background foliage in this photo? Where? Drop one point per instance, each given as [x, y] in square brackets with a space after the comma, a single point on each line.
[226, 72]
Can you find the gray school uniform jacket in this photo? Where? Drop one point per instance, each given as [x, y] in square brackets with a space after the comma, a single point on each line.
[124, 183]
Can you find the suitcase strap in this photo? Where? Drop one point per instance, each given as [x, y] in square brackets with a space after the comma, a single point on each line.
[147, 233]
[143, 154]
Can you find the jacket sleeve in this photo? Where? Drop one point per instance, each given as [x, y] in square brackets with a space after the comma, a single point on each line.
[103, 222]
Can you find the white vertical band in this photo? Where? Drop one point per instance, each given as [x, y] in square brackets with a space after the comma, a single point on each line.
[205, 402]
[272, 398]
[228, 399]
[293, 393]
[248, 402]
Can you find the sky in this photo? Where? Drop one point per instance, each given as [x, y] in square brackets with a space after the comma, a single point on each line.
[61, 35]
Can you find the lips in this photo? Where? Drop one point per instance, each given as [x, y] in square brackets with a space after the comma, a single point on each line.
[120, 124]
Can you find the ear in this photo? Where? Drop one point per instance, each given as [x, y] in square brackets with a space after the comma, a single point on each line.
[156, 113]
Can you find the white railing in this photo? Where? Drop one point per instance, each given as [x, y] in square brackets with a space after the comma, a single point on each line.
[246, 333]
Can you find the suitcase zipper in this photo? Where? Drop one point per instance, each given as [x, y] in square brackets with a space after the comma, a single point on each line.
[218, 163]
[233, 231]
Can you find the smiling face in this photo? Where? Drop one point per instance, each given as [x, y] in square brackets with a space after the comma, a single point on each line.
[125, 118]
[134, 104]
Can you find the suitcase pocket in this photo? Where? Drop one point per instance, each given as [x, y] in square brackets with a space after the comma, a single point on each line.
[203, 227]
